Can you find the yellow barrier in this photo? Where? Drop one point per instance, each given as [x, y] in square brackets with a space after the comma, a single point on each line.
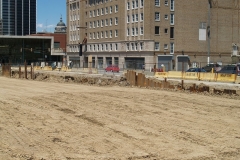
[191, 75]
[237, 80]
[47, 68]
[225, 77]
[161, 74]
[37, 68]
[208, 76]
[175, 74]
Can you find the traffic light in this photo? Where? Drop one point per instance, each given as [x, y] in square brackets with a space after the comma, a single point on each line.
[80, 49]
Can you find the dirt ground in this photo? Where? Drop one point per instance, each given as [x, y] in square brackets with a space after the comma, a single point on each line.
[68, 121]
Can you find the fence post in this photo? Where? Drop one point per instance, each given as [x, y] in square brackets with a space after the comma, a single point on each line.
[31, 72]
[25, 65]
[20, 72]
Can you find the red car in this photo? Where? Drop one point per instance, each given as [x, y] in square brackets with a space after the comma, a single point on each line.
[112, 68]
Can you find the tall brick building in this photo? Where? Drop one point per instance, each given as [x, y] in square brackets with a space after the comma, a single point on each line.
[133, 33]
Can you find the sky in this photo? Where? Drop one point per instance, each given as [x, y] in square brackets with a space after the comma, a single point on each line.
[49, 13]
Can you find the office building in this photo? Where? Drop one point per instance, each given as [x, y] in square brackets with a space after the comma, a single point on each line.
[133, 33]
[17, 17]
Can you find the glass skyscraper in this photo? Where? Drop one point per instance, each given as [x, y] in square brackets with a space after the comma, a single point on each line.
[17, 17]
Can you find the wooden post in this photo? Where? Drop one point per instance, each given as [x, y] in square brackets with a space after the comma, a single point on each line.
[20, 72]
[31, 72]
[25, 65]
[182, 83]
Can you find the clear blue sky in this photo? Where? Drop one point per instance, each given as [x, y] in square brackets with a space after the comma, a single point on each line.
[49, 13]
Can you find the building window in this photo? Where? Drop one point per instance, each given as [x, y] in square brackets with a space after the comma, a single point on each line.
[110, 9]
[110, 47]
[142, 3]
[90, 47]
[106, 47]
[98, 12]
[171, 32]
[141, 31]
[116, 33]
[136, 31]
[106, 22]
[132, 44]
[110, 33]
[97, 35]
[90, 35]
[166, 31]
[157, 46]
[106, 34]
[166, 2]
[166, 17]
[172, 5]
[102, 23]
[127, 46]
[141, 16]
[90, 24]
[110, 23]
[102, 11]
[106, 10]
[90, 13]
[172, 19]
[157, 16]
[116, 46]
[127, 31]
[102, 47]
[98, 23]
[93, 35]
[136, 3]
[94, 48]
[157, 30]
[101, 34]
[136, 46]
[98, 47]
[128, 19]
[133, 4]
[94, 24]
[136, 17]
[165, 46]
[116, 20]
[157, 3]
[172, 48]
[141, 46]
[133, 31]
[133, 18]
[116, 8]
[128, 5]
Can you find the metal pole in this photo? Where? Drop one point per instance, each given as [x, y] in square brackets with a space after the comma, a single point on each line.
[208, 30]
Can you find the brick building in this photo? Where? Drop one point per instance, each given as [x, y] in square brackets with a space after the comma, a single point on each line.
[133, 33]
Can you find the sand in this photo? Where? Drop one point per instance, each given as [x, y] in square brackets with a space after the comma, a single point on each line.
[63, 121]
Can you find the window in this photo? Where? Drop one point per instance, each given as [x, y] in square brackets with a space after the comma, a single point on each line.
[157, 16]
[98, 23]
[157, 30]
[132, 44]
[90, 13]
[106, 22]
[165, 46]
[98, 12]
[128, 19]
[102, 23]
[90, 35]
[90, 47]
[98, 47]
[97, 35]
[166, 17]
[93, 35]
[142, 3]
[94, 13]
[157, 3]
[166, 2]
[133, 18]
[116, 33]
[136, 31]
[116, 8]
[90, 24]
[102, 11]
[110, 9]
[136, 17]
[166, 30]
[136, 3]
[94, 24]
[141, 16]
[110, 33]
[106, 47]
[157, 46]
[116, 46]
[110, 47]
[127, 31]
[141, 46]
[127, 47]
[172, 5]
[106, 10]
[101, 34]
[171, 32]
[136, 46]
[133, 31]
[172, 19]
[141, 31]
[172, 48]
[128, 5]
[133, 4]
[106, 34]
[110, 23]
[94, 47]
[116, 21]
[102, 47]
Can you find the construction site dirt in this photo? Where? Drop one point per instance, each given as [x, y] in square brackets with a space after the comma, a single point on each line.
[61, 117]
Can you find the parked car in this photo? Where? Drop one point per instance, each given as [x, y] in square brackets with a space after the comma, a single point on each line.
[112, 68]
[216, 67]
[196, 70]
[231, 69]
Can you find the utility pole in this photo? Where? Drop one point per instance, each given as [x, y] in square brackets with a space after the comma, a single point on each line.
[208, 28]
